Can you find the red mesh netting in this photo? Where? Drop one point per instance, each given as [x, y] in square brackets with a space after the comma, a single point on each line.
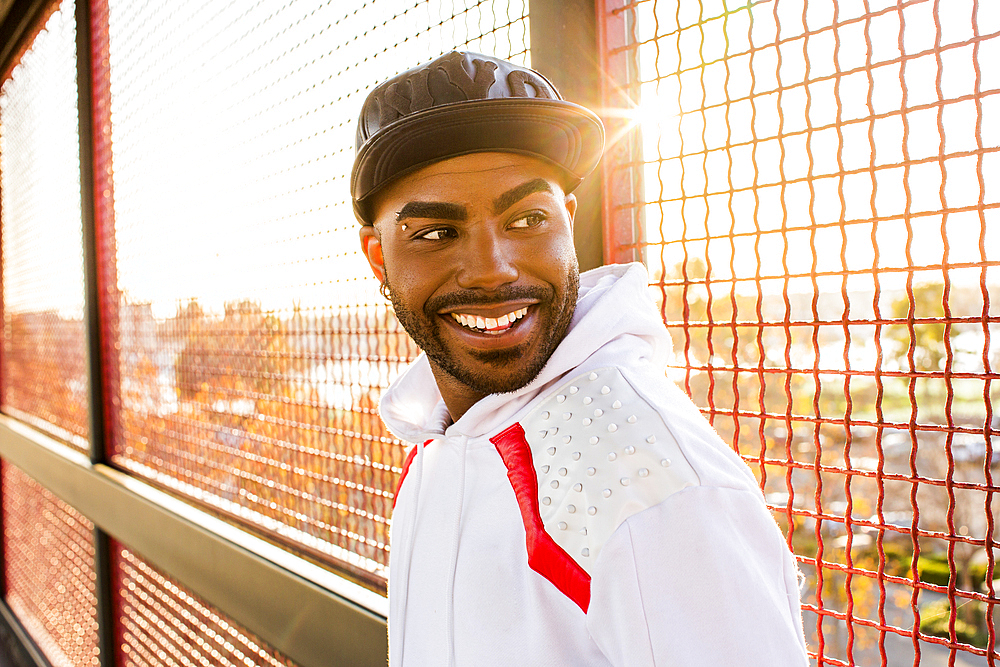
[162, 624]
[43, 364]
[816, 189]
[253, 342]
[48, 551]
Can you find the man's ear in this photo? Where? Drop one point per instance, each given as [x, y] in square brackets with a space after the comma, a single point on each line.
[372, 247]
[571, 208]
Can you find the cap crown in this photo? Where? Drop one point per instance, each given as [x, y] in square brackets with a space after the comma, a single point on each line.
[453, 78]
[463, 103]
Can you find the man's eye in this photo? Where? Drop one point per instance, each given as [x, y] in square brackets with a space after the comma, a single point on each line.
[436, 234]
[528, 220]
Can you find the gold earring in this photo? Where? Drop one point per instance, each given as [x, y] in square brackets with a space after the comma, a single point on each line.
[384, 290]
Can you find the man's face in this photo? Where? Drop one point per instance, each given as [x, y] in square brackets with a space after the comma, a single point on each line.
[479, 258]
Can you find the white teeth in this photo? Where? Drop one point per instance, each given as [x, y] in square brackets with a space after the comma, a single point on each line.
[485, 323]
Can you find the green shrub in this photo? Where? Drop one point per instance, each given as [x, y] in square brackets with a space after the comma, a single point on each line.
[933, 570]
[978, 573]
[934, 621]
[897, 560]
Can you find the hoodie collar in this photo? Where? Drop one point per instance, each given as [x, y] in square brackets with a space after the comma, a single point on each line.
[614, 302]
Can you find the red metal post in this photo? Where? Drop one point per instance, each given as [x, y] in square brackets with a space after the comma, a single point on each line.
[104, 219]
[621, 168]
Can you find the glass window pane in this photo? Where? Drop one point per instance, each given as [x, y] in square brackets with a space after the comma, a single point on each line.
[254, 343]
[48, 550]
[43, 377]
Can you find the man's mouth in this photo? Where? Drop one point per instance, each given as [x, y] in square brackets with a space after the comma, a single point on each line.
[489, 325]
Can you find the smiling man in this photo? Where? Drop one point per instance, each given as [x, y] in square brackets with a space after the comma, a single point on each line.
[478, 253]
[563, 503]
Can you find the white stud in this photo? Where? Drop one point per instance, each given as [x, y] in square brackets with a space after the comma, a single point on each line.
[594, 440]
[554, 484]
[576, 456]
[551, 451]
[616, 404]
[567, 416]
[583, 531]
[562, 472]
[546, 415]
[612, 456]
[578, 487]
[587, 421]
[571, 509]
[651, 439]
[585, 553]
[545, 470]
[573, 390]
[560, 398]
[592, 376]
[612, 428]
[605, 390]
[624, 481]
[598, 412]
[546, 500]
[643, 472]
[587, 400]
[567, 439]
[630, 450]
[543, 433]
[665, 463]
[591, 510]
[606, 493]
[553, 431]
[632, 419]
[563, 525]
[591, 472]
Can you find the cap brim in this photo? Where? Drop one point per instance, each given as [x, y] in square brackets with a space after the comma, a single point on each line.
[566, 134]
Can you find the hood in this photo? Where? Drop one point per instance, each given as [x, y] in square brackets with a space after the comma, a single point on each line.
[616, 322]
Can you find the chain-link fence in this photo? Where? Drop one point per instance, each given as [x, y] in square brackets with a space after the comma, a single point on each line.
[816, 188]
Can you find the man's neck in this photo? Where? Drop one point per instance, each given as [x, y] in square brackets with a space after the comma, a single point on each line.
[458, 396]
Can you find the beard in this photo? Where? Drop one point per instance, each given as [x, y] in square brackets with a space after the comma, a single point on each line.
[493, 371]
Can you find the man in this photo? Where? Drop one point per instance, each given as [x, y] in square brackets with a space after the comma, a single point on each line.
[564, 504]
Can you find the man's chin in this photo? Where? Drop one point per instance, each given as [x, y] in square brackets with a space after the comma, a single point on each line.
[501, 365]
[490, 370]
[497, 359]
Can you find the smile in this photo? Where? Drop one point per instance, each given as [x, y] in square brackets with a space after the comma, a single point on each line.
[489, 325]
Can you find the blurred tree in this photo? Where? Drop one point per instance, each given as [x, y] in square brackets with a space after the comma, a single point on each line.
[927, 337]
[44, 368]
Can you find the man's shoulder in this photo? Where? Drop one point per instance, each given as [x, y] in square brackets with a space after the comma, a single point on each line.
[607, 443]
[599, 453]
[602, 452]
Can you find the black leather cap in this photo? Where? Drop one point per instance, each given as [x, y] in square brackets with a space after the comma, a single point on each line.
[467, 103]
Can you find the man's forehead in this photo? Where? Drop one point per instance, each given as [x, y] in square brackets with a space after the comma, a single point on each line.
[486, 178]
[497, 170]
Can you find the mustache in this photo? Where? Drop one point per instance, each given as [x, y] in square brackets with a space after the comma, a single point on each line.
[479, 298]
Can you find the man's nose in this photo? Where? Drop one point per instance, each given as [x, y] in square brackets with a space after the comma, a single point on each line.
[488, 261]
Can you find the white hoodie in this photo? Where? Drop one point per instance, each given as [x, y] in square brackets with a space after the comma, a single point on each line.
[592, 517]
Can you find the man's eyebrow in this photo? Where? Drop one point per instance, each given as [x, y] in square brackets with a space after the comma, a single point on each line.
[433, 210]
[516, 194]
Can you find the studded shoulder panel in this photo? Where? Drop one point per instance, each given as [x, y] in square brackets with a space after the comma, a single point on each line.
[600, 454]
